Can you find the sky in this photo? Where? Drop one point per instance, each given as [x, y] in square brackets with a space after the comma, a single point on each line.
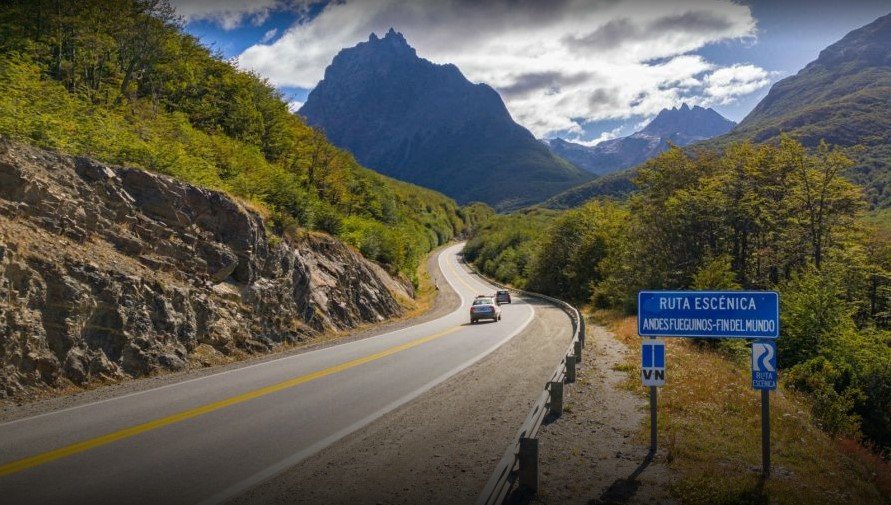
[584, 70]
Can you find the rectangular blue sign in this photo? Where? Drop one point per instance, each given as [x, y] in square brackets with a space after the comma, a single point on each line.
[652, 371]
[653, 356]
[708, 314]
[764, 365]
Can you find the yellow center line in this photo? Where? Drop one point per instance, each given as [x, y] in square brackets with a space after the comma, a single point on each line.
[69, 450]
[461, 278]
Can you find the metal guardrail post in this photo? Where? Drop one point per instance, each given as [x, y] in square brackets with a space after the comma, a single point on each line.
[582, 330]
[570, 368]
[555, 405]
[577, 345]
[528, 456]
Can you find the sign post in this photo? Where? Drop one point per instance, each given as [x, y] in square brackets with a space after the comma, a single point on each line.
[711, 314]
[764, 377]
[652, 371]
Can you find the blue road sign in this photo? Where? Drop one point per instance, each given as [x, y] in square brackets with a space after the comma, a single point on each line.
[708, 314]
[764, 365]
[653, 363]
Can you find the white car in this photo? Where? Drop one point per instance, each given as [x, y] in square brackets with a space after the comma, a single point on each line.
[484, 307]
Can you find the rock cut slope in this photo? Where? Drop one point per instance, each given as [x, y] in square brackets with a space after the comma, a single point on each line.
[109, 272]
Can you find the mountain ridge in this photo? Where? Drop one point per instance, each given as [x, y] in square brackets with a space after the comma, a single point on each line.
[843, 97]
[679, 126]
[425, 123]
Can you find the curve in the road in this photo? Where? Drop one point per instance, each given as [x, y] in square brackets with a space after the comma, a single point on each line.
[193, 439]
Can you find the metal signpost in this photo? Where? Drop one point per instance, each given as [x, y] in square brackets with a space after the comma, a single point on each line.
[652, 370]
[764, 377]
[711, 314]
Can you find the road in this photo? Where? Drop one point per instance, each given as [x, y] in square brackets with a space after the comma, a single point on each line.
[208, 439]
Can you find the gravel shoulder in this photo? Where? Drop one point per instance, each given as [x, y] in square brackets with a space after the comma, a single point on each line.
[445, 301]
[592, 453]
[441, 447]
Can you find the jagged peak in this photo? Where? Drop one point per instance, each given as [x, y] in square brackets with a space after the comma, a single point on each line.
[392, 40]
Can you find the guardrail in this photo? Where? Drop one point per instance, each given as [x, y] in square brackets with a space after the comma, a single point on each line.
[519, 465]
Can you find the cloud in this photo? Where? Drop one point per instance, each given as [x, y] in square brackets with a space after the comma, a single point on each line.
[294, 106]
[604, 136]
[724, 84]
[269, 35]
[537, 81]
[231, 14]
[556, 64]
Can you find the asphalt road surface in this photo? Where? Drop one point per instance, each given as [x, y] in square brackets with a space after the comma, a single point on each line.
[208, 439]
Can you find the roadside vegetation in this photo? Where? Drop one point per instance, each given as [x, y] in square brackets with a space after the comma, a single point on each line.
[774, 217]
[710, 432]
[121, 82]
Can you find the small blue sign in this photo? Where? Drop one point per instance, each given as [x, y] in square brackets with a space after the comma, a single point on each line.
[708, 314]
[652, 363]
[764, 365]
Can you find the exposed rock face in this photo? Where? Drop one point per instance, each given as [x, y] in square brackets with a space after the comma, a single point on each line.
[110, 272]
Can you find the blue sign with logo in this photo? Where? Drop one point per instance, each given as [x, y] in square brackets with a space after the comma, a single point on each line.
[708, 314]
[653, 363]
[764, 365]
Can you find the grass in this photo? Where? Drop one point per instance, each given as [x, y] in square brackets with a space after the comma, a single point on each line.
[709, 426]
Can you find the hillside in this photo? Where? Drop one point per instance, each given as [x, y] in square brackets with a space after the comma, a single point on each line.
[111, 272]
[122, 83]
[427, 124]
[678, 126]
[842, 97]
[618, 185]
[788, 222]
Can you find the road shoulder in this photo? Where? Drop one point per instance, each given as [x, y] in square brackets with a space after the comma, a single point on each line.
[593, 454]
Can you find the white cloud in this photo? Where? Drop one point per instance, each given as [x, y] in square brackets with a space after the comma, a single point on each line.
[269, 35]
[555, 63]
[724, 84]
[231, 14]
[604, 136]
[294, 106]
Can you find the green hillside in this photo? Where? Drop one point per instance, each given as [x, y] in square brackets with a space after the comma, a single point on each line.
[118, 80]
[844, 98]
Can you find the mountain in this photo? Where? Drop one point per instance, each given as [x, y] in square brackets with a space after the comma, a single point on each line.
[424, 123]
[679, 126]
[842, 97]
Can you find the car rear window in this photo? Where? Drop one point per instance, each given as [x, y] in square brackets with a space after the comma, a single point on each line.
[482, 301]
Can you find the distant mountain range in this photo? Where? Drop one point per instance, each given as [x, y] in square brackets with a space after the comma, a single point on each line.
[842, 97]
[679, 126]
[411, 119]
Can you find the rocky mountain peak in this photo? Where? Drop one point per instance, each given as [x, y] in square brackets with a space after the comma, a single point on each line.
[694, 122]
[425, 123]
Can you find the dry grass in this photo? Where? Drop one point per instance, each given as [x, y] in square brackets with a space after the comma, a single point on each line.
[710, 425]
[425, 294]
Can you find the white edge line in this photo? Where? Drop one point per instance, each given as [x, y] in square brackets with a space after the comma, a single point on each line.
[283, 465]
[247, 367]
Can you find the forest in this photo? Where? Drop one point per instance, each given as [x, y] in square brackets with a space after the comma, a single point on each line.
[773, 216]
[119, 81]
